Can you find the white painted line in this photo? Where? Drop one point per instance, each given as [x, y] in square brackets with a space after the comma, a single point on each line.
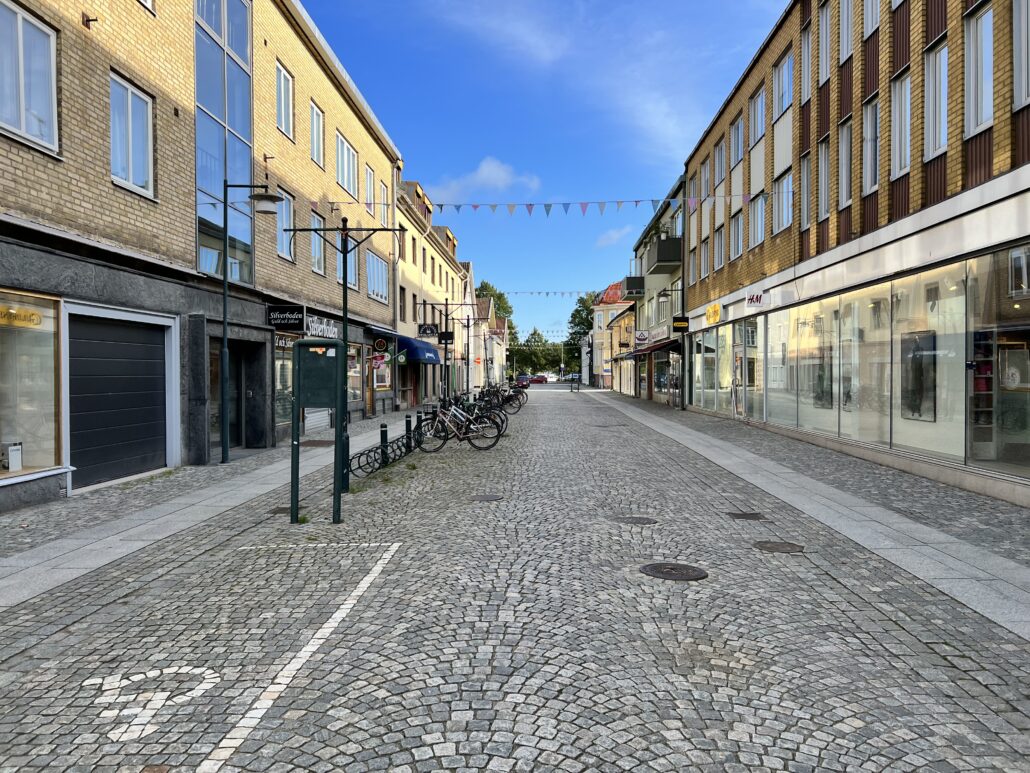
[318, 545]
[235, 737]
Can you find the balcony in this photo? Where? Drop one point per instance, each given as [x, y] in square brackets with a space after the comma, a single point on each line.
[663, 256]
[632, 287]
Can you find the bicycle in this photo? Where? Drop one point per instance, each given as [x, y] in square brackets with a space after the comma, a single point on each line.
[481, 432]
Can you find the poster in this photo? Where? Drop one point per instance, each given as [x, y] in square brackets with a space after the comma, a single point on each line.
[919, 375]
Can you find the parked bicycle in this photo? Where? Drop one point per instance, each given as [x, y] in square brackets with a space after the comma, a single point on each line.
[476, 425]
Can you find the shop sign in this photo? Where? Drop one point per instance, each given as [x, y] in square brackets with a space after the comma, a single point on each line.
[427, 330]
[754, 301]
[380, 344]
[713, 314]
[658, 333]
[288, 317]
[320, 327]
[680, 324]
[379, 361]
[284, 342]
[641, 337]
[402, 358]
[21, 317]
[445, 338]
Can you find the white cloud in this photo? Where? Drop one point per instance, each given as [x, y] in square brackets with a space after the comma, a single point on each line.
[521, 28]
[491, 176]
[613, 236]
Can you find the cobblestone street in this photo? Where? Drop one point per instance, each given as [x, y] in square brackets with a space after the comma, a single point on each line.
[430, 631]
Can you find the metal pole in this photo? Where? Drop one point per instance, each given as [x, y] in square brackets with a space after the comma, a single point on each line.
[408, 444]
[384, 445]
[340, 461]
[223, 376]
[468, 360]
[446, 348]
[343, 435]
[295, 441]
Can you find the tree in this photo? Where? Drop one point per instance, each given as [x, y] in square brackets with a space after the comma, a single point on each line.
[502, 307]
[581, 322]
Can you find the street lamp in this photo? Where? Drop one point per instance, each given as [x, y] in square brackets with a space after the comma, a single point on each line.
[264, 204]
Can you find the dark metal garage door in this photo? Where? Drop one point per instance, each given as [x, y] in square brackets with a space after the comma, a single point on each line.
[117, 398]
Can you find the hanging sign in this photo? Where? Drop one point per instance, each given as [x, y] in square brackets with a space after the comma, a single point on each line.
[427, 330]
[445, 338]
[641, 337]
[680, 324]
[379, 344]
[287, 317]
[754, 301]
[713, 314]
[320, 327]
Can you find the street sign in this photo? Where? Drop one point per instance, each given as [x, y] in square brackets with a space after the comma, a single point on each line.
[427, 330]
[479, 360]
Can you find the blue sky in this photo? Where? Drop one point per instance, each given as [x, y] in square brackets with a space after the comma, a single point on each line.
[545, 100]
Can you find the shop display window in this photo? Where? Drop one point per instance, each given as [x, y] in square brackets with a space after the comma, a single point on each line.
[354, 373]
[724, 395]
[781, 397]
[29, 384]
[284, 378]
[816, 327]
[708, 370]
[754, 373]
[698, 369]
[865, 364]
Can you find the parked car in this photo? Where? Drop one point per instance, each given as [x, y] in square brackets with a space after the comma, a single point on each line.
[539, 378]
[522, 380]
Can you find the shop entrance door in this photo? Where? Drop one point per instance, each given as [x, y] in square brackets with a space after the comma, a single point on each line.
[215, 395]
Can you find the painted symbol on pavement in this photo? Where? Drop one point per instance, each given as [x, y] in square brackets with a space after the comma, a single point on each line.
[143, 705]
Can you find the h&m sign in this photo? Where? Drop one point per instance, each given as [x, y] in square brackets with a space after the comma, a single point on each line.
[755, 300]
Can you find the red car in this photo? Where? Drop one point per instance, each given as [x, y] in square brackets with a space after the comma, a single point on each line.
[539, 378]
[523, 380]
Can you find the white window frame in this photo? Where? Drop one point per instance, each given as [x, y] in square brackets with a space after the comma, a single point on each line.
[844, 161]
[805, 192]
[783, 84]
[377, 277]
[737, 141]
[317, 245]
[692, 267]
[370, 190]
[824, 43]
[598, 320]
[130, 91]
[1021, 52]
[756, 115]
[846, 28]
[352, 255]
[720, 161]
[706, 178]
[736, 234]
[756, 221]
[870, 146]
[384, 204]
[718, 248]
[281, 237]
[901, 125]
[20, 19]
[317, 137]
[870, 17]
[346, 166]
[704, 258]
[936, 102]
[977, 117]
[806, 64]
[823, 180]
[783, 201]
[283, 99]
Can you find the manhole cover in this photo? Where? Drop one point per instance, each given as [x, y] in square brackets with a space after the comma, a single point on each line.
[746, 516]
[674, 571]
[487, 498]
[635, 520]
[779, 547]
[317, 443]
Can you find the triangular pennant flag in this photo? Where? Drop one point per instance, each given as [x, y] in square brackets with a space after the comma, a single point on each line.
[566, 206]
[747, 198]
[618, 205]
[529, 209]
[475, 207]
[547, 210]
[691, 202]
[457, 207]
[655, 203]
[511, 209]
[493, 207]
[636, 203]
[584, 206]
[600, 206]
[440, 207]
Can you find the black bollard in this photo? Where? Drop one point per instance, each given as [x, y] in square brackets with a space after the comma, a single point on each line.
[408, 442]
[384, 444]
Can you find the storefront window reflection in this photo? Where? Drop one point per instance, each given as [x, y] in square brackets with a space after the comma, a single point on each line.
[781, 384]
[29, 425]
[865, 355]
[354, 373]
[817, 365]
[284, 378]
[724, 400]
[708, 370]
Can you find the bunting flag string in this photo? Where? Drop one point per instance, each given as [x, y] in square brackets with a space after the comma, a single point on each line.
[691, 202]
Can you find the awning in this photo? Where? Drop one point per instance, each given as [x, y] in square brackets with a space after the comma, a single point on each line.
[671, 344]
[418, 351]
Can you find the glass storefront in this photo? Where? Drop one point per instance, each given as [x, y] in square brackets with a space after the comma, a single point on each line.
[937, 363]
[29, 381]
[284, 377]
[661, 377]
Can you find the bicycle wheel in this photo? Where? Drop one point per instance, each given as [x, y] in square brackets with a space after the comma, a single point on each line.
[483, 434]
[500, 417]
[523, 397]
[432, 436]
[512, 405]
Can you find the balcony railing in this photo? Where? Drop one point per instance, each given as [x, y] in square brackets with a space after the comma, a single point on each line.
[632, 287]
[664, 256]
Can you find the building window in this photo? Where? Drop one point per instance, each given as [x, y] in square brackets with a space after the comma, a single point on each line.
[402, 304]
[384, 204]
[737, 141]
[598, 320]
[783, 84]
[805, 182]
[28, 84]
[844, 165]
[423, 260]
[736, 235]
[871, 17]
[692, 193]
[346, 166]
[705, 179]
[317, 246]
[704, 258]
[806, 64]
[283, 100]
[870, 146]
[352, 261]
[1021, 50]
[783, 202]
[1019, 273]
[317, 135]
[901, 125]
[756, 218]
[284, 219]
[756, 115]
[823, 180]
[824, 43]
[847, 15]
[720, 162]
[979, 71]
[692, 266]
[132, 132]
[377, 274]
[718, 249]
[370, 190]
[432, 269]
[936, 101]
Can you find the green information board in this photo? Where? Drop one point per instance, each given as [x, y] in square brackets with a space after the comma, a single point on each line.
[317, 376]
